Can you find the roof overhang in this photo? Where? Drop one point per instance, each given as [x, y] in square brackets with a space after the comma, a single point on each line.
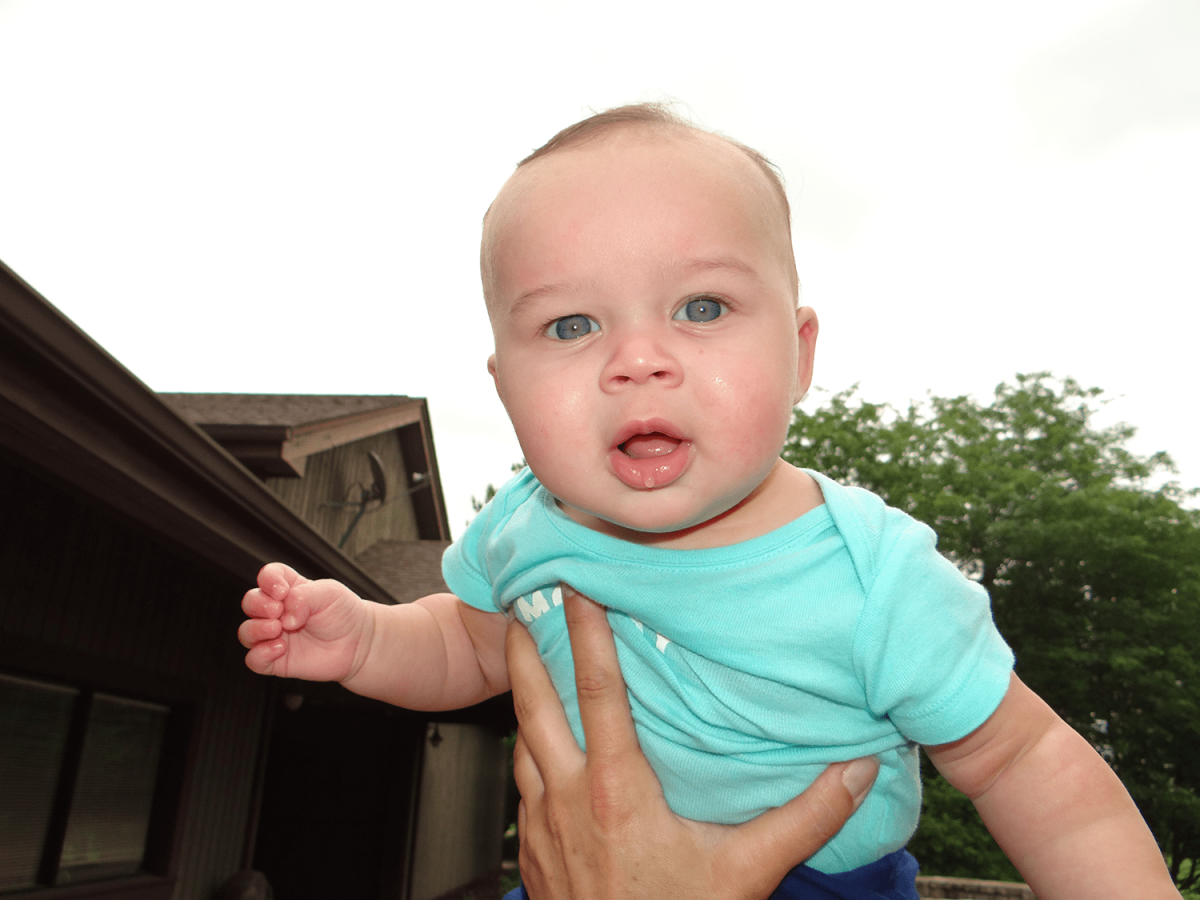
[73, 413]
[280, 450]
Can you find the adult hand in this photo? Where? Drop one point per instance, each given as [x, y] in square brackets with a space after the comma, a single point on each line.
[596, 826]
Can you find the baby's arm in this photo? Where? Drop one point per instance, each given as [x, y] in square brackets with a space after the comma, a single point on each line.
[1054, 806]
[434, 653]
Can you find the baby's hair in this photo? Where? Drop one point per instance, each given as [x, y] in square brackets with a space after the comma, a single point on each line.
[597, 123]
[654, 114]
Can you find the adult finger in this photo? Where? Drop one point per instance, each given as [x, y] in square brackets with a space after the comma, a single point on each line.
[603, 701]
[525, 771]
[763, 850]
[544, 730]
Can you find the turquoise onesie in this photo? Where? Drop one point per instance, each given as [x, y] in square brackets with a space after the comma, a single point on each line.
[753, 666]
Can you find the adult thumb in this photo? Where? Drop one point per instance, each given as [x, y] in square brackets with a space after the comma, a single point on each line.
[766, 848]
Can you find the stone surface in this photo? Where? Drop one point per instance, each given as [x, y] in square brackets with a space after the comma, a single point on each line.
[936, 887]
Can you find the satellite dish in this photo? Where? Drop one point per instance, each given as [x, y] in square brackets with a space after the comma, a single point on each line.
[379, 488]
[377, 491]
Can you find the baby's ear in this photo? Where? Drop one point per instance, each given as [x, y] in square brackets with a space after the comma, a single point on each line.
[806, 333]
[495, 378]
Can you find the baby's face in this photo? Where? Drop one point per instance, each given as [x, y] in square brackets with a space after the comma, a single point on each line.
[648, 347]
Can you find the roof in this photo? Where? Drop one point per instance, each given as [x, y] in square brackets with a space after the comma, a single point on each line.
[73, 413]
[408, 569]
[273, 434]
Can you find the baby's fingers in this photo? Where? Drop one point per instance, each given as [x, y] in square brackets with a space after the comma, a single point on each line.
[275, 580]
[297, 609]
[262, 657]
[261, 606]
[255, 631]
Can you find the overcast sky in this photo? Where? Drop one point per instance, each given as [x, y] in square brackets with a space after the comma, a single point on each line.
[285, 197]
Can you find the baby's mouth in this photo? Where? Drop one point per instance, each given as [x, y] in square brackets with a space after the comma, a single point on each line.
[648, 446]
[650, 459]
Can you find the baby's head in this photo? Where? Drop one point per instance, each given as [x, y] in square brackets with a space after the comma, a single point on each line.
[642, 291]
[648, 120]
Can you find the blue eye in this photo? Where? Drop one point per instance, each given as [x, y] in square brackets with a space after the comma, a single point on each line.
[702, 309]
[568, 328]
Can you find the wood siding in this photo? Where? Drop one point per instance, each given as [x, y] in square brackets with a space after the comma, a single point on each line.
[127, 541]
[335, 476]
[460, 810]
[87, 599]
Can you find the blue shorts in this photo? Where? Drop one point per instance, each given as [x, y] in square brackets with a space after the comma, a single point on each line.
[894, 877]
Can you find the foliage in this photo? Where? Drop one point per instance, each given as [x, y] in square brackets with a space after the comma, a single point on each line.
[490, 492]
[950, 840]
[1094, 575]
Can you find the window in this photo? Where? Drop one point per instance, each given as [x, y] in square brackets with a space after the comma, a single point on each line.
[78, 772]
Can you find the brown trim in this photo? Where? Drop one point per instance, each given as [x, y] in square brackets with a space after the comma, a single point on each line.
[416, 448]
[437, 499]
[260, 448]
[314, 437]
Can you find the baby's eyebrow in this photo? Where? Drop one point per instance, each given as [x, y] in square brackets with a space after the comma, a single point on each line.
[709, 264]
[537, 293]
[693, 265]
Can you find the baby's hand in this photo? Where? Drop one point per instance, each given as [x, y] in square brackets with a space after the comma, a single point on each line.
[317, 630]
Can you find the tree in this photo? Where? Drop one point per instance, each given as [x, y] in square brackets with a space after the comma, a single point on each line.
[1094, 576]
[490, 491]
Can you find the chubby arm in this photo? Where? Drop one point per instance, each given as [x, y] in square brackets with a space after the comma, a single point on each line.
[1053, 805]
[434, 653]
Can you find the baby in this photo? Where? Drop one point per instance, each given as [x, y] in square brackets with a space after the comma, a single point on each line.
[649, 349]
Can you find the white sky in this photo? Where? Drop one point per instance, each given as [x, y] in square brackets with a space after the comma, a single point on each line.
[285, 197]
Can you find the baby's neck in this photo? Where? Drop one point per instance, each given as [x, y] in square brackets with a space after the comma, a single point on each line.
[782, 497]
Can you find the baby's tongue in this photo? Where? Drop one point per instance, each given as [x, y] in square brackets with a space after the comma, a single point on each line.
[645, 446]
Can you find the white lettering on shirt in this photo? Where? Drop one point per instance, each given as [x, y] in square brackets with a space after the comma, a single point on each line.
[533, 605]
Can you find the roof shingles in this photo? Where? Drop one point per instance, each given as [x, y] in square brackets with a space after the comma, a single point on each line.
[408, 569]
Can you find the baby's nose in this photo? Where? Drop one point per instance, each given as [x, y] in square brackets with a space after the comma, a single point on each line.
[641, 360]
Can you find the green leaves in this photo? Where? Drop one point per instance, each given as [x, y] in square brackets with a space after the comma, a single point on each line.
[1094, 576]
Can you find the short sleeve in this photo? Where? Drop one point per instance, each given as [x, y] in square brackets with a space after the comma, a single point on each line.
[926, 646]
[470, 565]
[465, 562]
[462, 566]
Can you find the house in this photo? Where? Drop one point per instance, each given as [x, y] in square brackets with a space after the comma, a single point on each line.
[139, 758]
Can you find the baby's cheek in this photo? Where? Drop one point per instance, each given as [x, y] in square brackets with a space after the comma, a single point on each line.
[760, 416]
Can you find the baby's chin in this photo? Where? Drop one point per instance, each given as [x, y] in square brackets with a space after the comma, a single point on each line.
[645, 527]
